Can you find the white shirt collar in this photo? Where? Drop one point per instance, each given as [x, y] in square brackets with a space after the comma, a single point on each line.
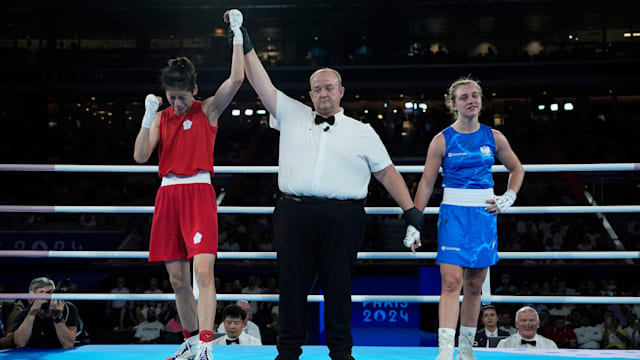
[489, 333]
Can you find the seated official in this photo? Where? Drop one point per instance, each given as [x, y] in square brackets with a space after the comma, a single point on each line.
[250, 328]
[527, 323]
[489, 317]
[46, 324]
[233, 319]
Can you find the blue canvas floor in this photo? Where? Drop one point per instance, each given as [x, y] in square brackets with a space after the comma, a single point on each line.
[160, 352]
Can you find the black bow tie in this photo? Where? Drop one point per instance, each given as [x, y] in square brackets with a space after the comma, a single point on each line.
[330, 120]
[237, 341]
[522, 342]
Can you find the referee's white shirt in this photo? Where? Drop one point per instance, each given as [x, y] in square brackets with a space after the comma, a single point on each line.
[336, 163]
[244, 339]
[515, 341]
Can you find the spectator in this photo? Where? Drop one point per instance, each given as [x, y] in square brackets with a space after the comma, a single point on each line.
[153, 287]
[562, 335]
[506, 288]
[127, 322]
[505, 323]
[142, 310]
[170, 312]
[46, 324]
[489, 317]
[236, 286]
[114, 308]
[252, 288]
[614, 337]
[272, 288]
[588, 335]
[174, 325]
[150, 330]
[271, 329]
[233, 319]
[6, 337]
[633, 330]
[173, 330]
[560, 309]
[250, 328]
[619, 311]
[527, 323]
[563, 290]
[230, 244]
[545, 320]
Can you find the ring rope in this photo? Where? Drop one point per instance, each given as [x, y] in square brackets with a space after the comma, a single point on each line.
[370, 210]
[274, 169]
[509, 255]
[320, 298]
[269, 209]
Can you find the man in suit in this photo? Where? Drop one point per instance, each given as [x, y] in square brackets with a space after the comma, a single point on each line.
[489, 317]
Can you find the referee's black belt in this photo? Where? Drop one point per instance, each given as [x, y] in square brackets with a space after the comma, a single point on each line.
[321, 200]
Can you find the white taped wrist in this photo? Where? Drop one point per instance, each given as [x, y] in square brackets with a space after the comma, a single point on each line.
[147, 119]
[506, 200]
[510, 194]
[151, 105]
[237, 36]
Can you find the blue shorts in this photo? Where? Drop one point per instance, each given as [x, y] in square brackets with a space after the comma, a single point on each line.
[467, 236]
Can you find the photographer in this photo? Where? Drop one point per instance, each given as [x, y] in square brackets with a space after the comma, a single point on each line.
[46, 324]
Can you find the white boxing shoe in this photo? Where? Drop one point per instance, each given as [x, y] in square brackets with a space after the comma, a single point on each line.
[445, 343]
[188, 349]
[204, 353]
[465, 347]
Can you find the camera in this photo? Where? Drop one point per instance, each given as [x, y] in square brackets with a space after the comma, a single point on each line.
[63, 287]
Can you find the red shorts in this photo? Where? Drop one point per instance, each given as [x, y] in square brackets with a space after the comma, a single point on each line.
[185, 222]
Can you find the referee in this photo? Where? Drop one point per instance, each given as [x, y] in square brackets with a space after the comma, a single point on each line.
[326, 161]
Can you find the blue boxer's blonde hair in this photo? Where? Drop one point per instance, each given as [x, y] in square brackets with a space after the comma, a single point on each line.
[451, 94]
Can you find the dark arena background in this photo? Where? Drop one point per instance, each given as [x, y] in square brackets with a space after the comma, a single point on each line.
[560, 79]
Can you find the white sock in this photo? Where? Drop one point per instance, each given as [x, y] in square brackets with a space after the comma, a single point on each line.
[467, 330]
[447, 331]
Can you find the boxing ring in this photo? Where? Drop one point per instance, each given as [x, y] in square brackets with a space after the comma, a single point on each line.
[124, 352]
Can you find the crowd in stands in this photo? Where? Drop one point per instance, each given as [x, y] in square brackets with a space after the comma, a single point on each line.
[367, 52]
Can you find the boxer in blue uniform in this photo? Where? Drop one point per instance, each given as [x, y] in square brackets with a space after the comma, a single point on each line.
[467, 233]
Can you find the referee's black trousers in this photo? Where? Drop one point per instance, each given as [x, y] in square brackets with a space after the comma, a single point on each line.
[317, 236]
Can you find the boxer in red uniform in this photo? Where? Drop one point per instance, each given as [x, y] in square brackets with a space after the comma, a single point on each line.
[185, 222]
